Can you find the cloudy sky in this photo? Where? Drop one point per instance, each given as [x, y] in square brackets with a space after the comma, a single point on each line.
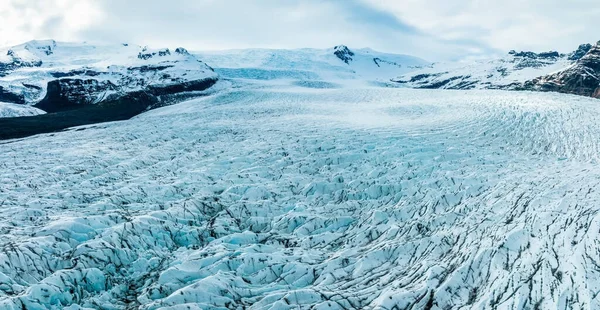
[432, 29]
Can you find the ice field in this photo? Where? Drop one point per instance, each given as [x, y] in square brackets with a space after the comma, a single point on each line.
[17, 110]
[303, 198]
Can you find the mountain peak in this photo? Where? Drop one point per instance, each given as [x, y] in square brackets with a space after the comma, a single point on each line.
[580, 52]
[343, 53]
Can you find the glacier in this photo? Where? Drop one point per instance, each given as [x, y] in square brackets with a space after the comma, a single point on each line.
[17, 110]
[292, 197]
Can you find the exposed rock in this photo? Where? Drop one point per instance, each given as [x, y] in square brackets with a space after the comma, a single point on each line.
[551, 54]
[77, 72]
[524, 60]
[190, 86]
[68, 93]
[147, 55]
[378, 61]
[182, 51]
[343, 53]
[580, 52]
[583, 78]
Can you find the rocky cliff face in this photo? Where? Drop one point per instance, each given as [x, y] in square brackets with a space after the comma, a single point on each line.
[582, 78]
[60, 76]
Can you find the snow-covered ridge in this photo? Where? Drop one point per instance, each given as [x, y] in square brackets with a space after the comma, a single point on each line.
[18, 110]
[489, 73]
[509, 71]
[86, 74]
[338, 63]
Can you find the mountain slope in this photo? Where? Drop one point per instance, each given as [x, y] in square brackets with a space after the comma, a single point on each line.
[504, 73]
[56, 76]
[338, 63]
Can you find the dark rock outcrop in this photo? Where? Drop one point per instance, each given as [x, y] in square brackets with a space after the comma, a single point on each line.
[64, 94]
[189, 86]
[343, 53]
[378, 61]
[181, 51]
[580, 52]
[68, 93]
[532, 55]
[528, 59]
[582, 78]
[145, 55]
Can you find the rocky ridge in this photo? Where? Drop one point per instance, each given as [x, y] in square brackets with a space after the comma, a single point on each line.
[511, 72]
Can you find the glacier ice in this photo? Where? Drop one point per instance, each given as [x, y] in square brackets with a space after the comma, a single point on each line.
[304, 198]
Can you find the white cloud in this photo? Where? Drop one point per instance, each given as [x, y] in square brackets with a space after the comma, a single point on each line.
[224, 24]
[24, 20]
[210, 24]
[433, 29]
[508, 24]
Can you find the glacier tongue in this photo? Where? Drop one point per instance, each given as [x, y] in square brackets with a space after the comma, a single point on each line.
[301, 198]
[15, 110]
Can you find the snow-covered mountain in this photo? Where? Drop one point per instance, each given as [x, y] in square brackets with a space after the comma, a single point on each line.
[54, 76]
[338, 63]
[581, 78]
[507, 72]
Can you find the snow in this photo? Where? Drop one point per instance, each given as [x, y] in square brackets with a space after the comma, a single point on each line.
[304, 198]
[16, 110]
[309, 64]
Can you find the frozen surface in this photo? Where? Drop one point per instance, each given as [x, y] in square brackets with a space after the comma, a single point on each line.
[298, 198]
[16, 110]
